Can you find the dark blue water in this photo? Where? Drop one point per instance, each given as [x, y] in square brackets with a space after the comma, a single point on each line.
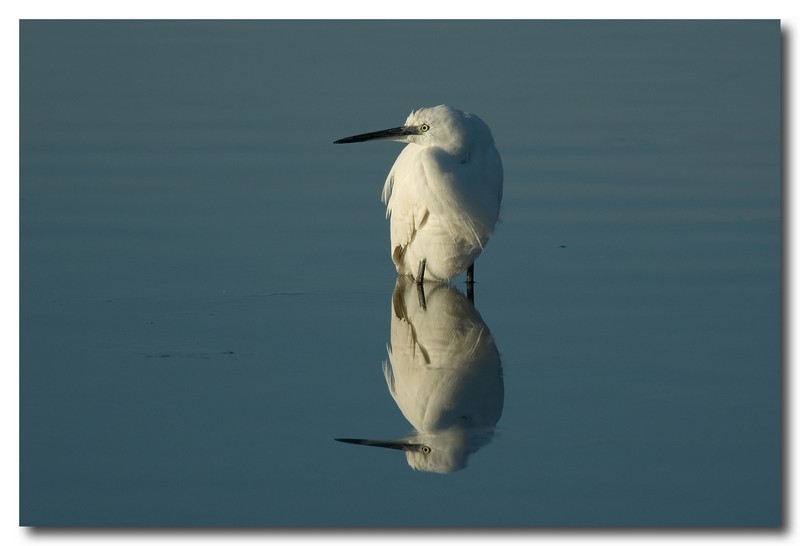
[207, 293]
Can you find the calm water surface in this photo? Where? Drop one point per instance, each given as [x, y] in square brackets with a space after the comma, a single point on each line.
[207, 295]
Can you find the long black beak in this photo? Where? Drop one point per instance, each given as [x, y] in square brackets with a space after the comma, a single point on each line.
[391, 444]
[396, 132]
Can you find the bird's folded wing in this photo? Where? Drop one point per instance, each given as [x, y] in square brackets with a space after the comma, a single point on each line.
[407, 199]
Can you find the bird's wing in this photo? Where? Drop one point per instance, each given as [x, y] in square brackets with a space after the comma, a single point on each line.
[458, 193]
[407, 199]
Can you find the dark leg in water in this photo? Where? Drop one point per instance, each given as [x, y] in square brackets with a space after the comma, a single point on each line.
[471, 283]
[421, 272]
[421, 296]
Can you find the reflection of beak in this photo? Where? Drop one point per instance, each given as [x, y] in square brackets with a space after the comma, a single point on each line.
[391, 444]
[397, 134]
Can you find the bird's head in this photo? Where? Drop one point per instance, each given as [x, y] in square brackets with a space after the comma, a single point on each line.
[441, 126]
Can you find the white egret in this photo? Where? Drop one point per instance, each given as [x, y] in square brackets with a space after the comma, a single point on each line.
[445, 375]
[443, 193]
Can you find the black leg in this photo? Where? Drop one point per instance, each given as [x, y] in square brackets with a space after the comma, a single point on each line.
[421, 272]
[421, 296]
[471, 283]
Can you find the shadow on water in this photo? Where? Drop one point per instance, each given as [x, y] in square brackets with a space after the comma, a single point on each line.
[445, 375]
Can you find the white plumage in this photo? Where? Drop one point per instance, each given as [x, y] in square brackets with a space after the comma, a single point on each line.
[445, 375]
[443, 193]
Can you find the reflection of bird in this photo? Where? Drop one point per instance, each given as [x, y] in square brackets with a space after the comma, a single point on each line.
[444, 374]
[443, 193]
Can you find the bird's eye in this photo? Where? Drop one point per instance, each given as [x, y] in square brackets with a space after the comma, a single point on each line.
[425, 449]
[424, 127]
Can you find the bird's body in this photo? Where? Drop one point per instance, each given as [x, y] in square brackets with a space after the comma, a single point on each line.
[443, 193]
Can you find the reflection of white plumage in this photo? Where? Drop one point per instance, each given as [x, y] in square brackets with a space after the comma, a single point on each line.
[443, 193]
[444, 374]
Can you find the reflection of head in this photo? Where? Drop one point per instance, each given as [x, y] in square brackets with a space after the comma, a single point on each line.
[449, 450]
[444, 374]
[442, 460]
